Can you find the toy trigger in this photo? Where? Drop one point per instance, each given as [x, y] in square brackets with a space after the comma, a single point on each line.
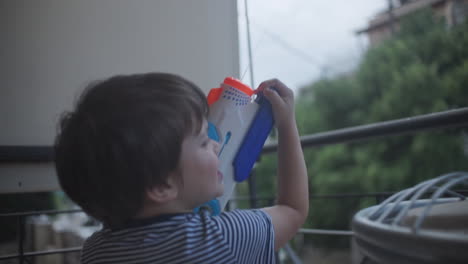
[212, 206]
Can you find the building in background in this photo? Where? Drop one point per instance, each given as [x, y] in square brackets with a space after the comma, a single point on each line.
[384, 24]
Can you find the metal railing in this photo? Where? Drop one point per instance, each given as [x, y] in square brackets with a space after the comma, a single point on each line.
[21, 216]
[447, 119]
[22, 255]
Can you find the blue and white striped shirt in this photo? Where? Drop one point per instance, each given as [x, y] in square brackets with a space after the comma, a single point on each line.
[240, 236]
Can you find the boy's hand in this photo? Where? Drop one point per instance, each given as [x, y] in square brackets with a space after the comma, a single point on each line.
[281, 99]
[292, 207]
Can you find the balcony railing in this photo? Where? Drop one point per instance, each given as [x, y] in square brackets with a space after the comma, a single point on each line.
[441, 120]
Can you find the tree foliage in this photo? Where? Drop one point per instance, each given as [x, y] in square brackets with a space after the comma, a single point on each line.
[422, 69]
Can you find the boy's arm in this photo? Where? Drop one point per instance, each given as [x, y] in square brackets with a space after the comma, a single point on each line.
[291, 210]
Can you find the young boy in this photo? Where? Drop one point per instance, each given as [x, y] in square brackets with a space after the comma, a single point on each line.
[136, 156]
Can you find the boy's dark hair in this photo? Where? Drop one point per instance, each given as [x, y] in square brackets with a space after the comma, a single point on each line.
[124, 137]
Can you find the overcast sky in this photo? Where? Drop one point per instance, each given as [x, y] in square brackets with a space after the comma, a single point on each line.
[297, 41]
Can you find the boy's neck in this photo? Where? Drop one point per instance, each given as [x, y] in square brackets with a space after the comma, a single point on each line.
[152, 210]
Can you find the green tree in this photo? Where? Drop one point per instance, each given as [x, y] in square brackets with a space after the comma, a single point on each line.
[423, 69]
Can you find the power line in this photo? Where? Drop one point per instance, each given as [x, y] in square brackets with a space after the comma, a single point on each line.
[250, 66]
[290, 48]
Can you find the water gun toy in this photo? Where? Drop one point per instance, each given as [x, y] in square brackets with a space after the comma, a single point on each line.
[240, 121]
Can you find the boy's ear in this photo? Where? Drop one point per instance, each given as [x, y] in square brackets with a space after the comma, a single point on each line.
[163, 193]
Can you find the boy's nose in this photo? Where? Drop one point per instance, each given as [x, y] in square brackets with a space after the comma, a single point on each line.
[216, 146]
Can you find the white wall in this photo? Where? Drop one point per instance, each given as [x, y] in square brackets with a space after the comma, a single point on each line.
[50, 50]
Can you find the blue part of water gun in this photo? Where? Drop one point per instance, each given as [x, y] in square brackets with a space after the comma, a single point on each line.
[254, 140]
[213, 206]
[212, 132]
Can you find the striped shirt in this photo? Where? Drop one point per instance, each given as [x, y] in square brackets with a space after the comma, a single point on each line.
[240, 236]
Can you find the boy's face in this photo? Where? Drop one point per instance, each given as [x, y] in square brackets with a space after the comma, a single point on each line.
[202, 181]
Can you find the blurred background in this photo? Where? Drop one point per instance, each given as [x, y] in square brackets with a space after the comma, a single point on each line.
[299, 41]
[354, 63]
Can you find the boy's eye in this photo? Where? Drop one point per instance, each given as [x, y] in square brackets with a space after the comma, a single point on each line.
[205, 142]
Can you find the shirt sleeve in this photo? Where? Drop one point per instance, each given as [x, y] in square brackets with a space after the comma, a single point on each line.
[249, 234]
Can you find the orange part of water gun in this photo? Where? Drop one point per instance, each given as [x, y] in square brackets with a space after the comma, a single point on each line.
[215, 93]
